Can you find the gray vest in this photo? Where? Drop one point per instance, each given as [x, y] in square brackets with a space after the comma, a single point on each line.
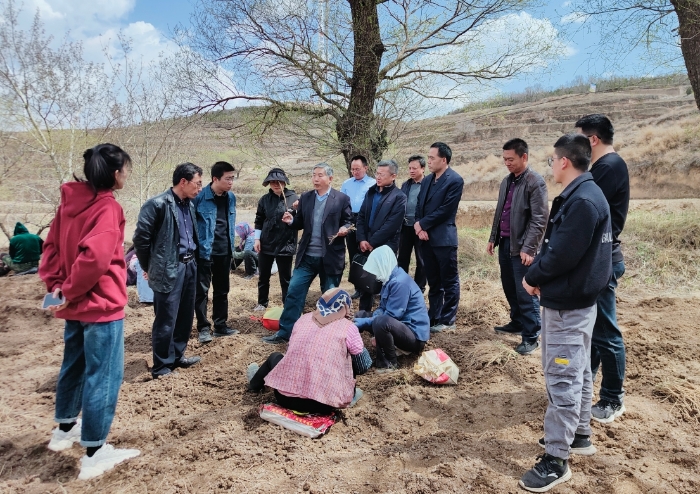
[315, 248]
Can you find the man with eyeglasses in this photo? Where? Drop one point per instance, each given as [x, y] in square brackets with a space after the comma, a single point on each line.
[610, 172]
[381, 216]
[165, 241]
[215, 206]
[568, 273]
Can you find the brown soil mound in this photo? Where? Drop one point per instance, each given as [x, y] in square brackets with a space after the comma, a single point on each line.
[200, 432]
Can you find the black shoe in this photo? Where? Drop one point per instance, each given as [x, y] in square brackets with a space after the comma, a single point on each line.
[356, 295]
[204, 336]
[526, 348]
[581, 445]
[545, 474]
[218, 333]
[275, 339]
[509, 328]
[186, 362]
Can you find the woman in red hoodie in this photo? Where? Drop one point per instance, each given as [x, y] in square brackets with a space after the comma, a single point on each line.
[83, 262]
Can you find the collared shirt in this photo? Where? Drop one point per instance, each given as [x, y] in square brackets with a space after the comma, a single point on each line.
[356, 190]
[412, 202]
[321, 198]
[505, 214]
[184, 223]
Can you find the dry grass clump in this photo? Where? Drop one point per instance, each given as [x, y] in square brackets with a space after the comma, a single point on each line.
[685, 398]
[488, 353]
[473, 260]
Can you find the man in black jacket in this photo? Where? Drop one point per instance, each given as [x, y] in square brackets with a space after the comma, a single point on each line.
[572, 268]
[518, 227]
[323, 213]
[436, 211]
[165, 241]
[409, 241]
[610, 173]
[380, 217]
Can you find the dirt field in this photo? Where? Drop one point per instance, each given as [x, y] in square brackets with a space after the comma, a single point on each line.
[200, 432]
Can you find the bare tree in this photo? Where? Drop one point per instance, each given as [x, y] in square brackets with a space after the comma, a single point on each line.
[147, 119]
[358, 67]
[55, 102]
[653, 24]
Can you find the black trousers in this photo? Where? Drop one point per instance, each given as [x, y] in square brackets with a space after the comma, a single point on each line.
[443, 278]
[390, 334]
[284, 271]
[214, 273]
[408, 242]
[173, 322]
[304, 405]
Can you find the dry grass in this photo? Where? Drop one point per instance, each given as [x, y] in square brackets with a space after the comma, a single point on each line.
[663, 248]
[489, 353]
[685, 398]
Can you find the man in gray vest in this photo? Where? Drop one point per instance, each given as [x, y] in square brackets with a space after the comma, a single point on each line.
[323, 213]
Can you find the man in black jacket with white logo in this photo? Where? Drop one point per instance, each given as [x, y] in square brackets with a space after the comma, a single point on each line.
[572, 268]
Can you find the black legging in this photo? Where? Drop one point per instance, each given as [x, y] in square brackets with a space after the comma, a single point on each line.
[304, 405]
[390, 334]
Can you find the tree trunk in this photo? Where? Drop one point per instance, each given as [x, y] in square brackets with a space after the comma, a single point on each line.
[688, 12]
[357, 131]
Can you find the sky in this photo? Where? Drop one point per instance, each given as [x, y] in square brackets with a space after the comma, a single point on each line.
[149, 23]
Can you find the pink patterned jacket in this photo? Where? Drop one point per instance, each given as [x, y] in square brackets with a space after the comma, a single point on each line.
[317, 364]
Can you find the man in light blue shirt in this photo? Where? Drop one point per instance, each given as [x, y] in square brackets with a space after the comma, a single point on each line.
[356, 188]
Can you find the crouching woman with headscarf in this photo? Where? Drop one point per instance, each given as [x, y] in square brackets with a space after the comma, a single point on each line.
[317, 374]
[401, 321]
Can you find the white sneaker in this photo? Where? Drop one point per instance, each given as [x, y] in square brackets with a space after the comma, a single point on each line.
[259, 308]
[64, 440]
[104, 460]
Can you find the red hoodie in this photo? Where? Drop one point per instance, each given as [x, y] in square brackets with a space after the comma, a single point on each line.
[84, 255]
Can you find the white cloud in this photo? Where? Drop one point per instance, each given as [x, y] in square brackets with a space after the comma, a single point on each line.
[97, 24]
[566, 4]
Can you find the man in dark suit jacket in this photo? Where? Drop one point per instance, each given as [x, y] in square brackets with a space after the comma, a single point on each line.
[322, 213]
[436, 211]
[381, 216]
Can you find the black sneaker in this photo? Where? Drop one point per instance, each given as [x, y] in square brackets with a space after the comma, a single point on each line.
[526, 348]
[509, 328]
[606, 411]
[204, 336]
[545, 474]
[581, 445]
[218, 333]
[275, 339]
[356, 295]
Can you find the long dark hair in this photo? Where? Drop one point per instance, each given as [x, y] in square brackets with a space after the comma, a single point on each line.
[101, 162]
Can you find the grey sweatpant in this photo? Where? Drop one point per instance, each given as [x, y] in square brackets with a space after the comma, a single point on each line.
[566, 360]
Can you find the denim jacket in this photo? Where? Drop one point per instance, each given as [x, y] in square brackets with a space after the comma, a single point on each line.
[206, 220]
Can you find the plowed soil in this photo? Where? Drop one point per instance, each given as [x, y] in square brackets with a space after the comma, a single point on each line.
[200, 431]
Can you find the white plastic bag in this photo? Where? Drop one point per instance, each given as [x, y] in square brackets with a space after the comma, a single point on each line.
[437, 367]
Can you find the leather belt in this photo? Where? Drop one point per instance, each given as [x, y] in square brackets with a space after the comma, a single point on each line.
[185, 258]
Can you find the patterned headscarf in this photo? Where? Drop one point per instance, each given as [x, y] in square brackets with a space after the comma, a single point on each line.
[333, 305]
[243, 230]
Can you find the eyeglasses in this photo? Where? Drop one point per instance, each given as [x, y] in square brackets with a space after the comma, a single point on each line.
[550, 161]
[227, 179]
[198, 184]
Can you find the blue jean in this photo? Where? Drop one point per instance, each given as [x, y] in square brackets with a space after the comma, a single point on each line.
[607, 346]
[524, 308]
[90, 377]
[299, 285]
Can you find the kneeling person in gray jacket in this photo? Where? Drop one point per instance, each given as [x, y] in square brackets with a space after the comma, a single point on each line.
[572, 268]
